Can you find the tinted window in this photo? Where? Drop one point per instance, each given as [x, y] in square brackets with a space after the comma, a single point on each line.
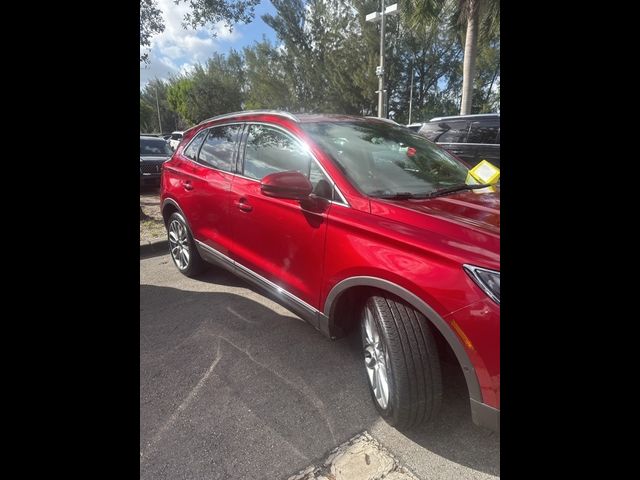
[455, 131]
[151, 146]
[484, 131]
[217, 150]
[432, 131]
[192, 150]
[268, 151]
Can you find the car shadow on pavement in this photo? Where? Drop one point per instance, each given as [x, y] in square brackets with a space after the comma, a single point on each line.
[233, 388]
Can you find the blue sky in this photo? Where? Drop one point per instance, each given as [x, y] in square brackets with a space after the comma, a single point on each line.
[177, 50]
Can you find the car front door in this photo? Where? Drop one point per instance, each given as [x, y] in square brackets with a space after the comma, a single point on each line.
[281, 240]
[210, 186]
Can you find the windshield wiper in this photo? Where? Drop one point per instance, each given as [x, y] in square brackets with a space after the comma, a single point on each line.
[400, 195]
[457, 188]
[437, 193]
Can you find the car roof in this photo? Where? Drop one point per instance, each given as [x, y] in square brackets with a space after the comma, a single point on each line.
[462, 117]
[150, 137]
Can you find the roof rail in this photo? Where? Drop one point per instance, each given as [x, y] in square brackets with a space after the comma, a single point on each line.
[252, 112]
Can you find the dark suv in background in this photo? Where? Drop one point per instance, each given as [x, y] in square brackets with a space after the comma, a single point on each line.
[470, 137]
[154, 151]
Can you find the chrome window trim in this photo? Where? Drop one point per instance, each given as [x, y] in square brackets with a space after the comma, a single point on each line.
[244, 113]
[308, 150]
[275, 287]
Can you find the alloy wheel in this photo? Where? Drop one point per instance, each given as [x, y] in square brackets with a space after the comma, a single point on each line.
[179, 244]
[376, 359]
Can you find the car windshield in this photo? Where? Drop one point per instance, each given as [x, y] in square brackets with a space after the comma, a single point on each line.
[154, 147]
[382, 159]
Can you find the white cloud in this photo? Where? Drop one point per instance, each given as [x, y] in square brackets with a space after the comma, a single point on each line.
[177, 49]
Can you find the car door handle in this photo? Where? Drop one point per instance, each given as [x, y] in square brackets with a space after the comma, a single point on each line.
[187, 185]
[243, 205]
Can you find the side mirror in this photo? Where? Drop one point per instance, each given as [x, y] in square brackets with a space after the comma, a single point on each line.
[292, 185]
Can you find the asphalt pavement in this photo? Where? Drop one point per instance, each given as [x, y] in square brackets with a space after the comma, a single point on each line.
[235, 386]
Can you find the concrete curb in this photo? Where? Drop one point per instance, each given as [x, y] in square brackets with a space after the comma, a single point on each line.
[153, 246]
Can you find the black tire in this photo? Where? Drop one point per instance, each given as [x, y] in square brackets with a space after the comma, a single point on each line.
[413, 366]
[191, 264]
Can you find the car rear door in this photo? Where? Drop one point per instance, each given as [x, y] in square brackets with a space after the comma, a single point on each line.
[210, 187]
[278, 239]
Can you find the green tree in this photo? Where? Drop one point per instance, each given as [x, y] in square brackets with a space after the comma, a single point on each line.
[149, 109]
[211, 89]
[268, 85]
[479, 19]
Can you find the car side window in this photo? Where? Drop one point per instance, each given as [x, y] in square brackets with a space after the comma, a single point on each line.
[268, 151]
[432, 131]
[192, 150]
[218, 149]
[484, 131]
[456, 131]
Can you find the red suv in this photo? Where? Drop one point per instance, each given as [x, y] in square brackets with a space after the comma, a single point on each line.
[352, 223]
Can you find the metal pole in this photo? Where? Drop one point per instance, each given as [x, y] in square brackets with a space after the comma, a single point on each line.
[158, 107]
[411, 94]
[381, 77]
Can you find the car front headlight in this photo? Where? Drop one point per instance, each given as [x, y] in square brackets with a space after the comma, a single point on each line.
[487, 280]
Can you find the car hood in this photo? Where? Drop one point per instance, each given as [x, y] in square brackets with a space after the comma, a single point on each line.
[479, 210]
[154, 158]
[464, 224]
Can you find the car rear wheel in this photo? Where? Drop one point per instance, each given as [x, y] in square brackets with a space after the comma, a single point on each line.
[401, 360]
[182, 247]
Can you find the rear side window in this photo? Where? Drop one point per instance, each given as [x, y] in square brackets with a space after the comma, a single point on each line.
[268, 151]
[484, 131]
[218, 149]
[455, 131]
[432, 131]
[192, 150]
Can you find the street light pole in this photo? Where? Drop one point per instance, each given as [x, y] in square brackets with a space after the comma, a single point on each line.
[158, 107]
[375, 17]
[381, 74]
[411, 94]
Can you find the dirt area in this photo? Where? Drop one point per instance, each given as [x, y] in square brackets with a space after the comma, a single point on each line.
[151, 227]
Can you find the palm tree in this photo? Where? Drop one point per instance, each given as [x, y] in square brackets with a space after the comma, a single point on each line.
[480, 20]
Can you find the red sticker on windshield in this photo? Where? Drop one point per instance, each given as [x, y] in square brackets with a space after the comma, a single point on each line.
[411, 152]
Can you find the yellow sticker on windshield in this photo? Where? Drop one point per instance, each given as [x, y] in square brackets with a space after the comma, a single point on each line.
[484, 172]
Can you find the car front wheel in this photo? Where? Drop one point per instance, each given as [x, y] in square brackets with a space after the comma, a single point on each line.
[401, 361]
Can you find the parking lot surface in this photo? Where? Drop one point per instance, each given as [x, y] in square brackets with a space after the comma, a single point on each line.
[233, 385]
